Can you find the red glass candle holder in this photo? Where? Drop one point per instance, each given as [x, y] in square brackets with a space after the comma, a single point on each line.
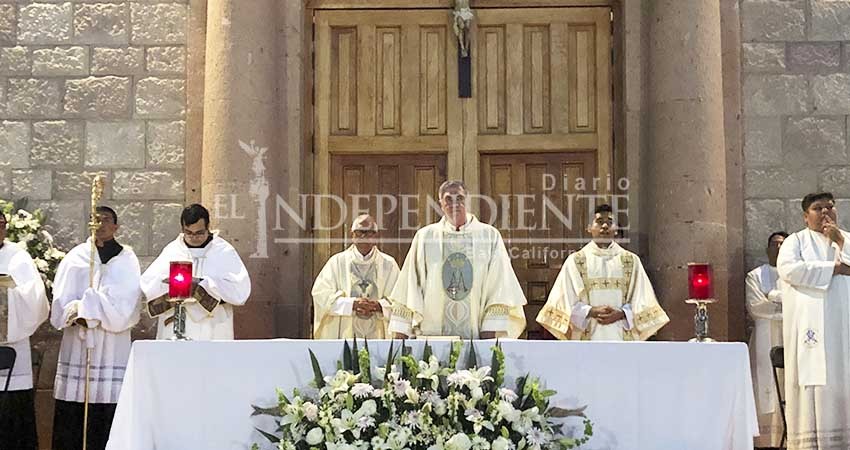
[700, 281]
[180, 279]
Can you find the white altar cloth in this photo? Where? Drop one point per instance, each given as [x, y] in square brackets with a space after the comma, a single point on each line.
[640, 395]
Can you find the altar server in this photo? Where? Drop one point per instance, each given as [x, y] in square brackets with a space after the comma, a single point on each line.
[27, 308]
[99, 318]
[222, 280]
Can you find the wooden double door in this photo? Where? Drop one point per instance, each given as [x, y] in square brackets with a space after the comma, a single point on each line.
[389, 127]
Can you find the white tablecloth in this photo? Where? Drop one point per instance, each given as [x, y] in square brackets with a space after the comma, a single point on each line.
[640, 396]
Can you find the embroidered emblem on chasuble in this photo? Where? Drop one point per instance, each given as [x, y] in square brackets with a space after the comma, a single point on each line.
[457, 278]
[363, 284]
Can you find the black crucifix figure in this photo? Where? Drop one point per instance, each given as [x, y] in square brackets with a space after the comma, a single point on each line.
[461, 24]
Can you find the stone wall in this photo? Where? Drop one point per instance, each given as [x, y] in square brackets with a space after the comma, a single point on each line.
[796, 101]
[89, 87]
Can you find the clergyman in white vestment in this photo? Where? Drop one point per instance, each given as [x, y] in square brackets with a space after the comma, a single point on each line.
[457, 279]
[813, 269]
[99, 318]
[27, 309]
[602, 292]
[764, 304]
[350, 293]
[223, 280]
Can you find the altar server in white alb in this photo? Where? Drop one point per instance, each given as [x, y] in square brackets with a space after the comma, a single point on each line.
[27, 308]
[764, 304]
[223, 280]
[602, 292]
[813, 267]
[350, 293]
[99, 318]
[457, 279]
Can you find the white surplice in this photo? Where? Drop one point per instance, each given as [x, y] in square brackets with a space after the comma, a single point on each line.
[28, 308]
[457, 283]
[596, 276]
[225, 278]
[764, 304]
[111, 309]
[816, 335]
[347, 276]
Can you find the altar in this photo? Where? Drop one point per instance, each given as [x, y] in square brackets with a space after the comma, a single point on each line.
[639, 395]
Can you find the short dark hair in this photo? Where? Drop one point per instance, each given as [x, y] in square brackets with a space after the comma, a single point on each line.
[774, 234]
[107, 210]
[193, 213]
[811, 198]
[603, 208]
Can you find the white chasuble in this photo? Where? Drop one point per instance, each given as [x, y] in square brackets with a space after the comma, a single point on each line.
[27, 309]
[764, 304]
[816, 336]
[458, 283]
[110, 310]
[347, 276]
[224, 283]
[596, 276]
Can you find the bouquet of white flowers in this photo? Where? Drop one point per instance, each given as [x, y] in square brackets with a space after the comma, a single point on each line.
[26, 230]
[420, 404]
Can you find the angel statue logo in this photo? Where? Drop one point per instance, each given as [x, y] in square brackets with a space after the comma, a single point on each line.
[259, 190]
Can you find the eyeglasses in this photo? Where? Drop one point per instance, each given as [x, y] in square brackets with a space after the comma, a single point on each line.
[201, 233]
[364, 233]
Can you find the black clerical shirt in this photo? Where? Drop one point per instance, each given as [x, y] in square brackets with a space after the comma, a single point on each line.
[109, 250]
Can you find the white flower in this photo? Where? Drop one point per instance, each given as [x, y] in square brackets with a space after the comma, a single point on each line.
[508, 412]
[459, 441]
[378, 393]
[430, 371]
[456, 379]
[26, 237]
[41, 264]
[479, 443]
[537, 438]
[346, 422]
[315, 436]
[412, 396]
[361, 390]
[368, 408]
[311, 411]
[502, 444]
[400, 388]
[365, 422]
[508, 395]
[340, 382]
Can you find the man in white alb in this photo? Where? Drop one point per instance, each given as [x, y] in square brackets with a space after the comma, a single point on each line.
[350, 293]
[457, 279]
[602, 292]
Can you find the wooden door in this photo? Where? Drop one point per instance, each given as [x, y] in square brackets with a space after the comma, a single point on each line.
[393, 188]
[541, 214]
[386, 100]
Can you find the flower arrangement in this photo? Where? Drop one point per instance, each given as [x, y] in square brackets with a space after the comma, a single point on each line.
[27, 230]
[420, 404]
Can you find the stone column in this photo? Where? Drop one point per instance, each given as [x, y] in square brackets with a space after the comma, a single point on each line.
[686, 193]
[241, 104]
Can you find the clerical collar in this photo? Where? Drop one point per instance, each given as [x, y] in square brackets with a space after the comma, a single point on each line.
[449, 225]
[209, 239]
[109, 250]
[361, 256]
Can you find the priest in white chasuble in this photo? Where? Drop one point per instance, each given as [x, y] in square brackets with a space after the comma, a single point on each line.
[350, 293]
[602, 292]
[813, 269]
[457, 279]
[764, 304]
[97, 318]
[26, 307]
[221, 280]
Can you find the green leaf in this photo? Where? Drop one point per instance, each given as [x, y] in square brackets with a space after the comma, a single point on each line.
[427, 352]
[272, 438]
[317, 371]
[272, 411]
[389, 362]
[355, 360]
[346, 356]
[472, 359]
[562, 412]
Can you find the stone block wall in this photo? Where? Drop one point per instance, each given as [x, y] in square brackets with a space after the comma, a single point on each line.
[91, 87]
[795, 61]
